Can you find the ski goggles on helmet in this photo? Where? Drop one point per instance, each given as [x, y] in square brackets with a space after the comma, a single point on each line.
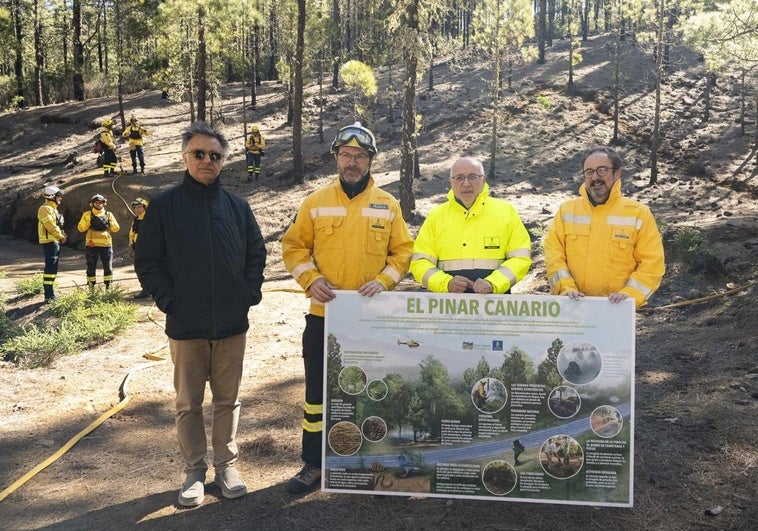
[356, 132]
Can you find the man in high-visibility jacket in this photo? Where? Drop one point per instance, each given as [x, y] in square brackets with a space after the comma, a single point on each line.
[98, 224]
[603, 244]
[349, 235]
[51, 236]
[473, 243]
[135, 135]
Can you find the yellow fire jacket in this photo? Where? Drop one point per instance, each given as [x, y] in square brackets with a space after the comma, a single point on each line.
[255, 144]
[98, 238]
[487, 241]
[134, 229]
[135, 134]
[49, 223]
[107, 138]
[604, 249]
[347, 241]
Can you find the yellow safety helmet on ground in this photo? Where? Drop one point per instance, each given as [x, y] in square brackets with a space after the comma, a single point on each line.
[108, 123]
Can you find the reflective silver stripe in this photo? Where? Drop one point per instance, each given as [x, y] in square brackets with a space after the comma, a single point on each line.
[626, 221]
[322, 211]
[577, 219]
[422, 256]
[631, 283]
[302, 268]
[382, 213]
[507, 273]
[469, 263]
[526, 253]
[427, 276]
[393, 273]
[557, 276]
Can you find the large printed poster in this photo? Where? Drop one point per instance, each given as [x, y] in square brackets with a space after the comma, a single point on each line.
[516, 397]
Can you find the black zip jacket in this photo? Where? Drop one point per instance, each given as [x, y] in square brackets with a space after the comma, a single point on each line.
[200, 254]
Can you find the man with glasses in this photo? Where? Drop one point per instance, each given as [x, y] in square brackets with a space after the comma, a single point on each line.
[349, 235]
[604, 244]
[473, 243]
[201, 255]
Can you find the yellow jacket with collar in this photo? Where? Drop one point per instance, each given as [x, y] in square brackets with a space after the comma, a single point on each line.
[135, 134]
[255, 144]
[50, 221]
[347, 241]
[486, 241]
[98, 238]
[609, 248]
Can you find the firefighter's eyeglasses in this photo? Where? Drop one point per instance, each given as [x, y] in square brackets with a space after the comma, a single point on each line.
[358, 157]
[200, 154]
[601, 171]
[472, 178]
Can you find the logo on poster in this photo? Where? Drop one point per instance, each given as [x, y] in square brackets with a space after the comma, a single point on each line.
[497, 344]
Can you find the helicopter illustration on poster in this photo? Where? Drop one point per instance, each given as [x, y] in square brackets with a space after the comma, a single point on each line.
[411, 343]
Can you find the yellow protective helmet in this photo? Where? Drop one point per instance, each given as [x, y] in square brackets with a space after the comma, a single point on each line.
[254, 129]
[139, 202]
[108, 123]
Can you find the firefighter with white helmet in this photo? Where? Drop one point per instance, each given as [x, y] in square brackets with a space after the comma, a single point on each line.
[349, 217]
[51, 235]
[135, 135]
[98, 224]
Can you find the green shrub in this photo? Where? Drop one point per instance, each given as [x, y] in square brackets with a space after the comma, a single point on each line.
[690, 248]
[30, 286]
[80, 319]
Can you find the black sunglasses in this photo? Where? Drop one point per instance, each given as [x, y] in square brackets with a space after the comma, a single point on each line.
[200, 154]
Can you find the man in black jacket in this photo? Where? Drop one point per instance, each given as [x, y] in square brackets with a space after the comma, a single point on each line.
[201, 255]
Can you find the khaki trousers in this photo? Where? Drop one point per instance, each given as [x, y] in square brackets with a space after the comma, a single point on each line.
[197, 361]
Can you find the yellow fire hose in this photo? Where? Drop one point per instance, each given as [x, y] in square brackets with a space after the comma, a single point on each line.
[124, 400]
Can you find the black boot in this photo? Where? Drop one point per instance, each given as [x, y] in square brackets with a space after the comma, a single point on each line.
[49, 294]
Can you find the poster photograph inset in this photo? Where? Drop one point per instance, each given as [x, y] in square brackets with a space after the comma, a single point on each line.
[494, 397]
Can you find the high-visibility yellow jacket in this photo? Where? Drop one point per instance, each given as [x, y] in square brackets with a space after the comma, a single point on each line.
[609, 248]
[98, 238]
[107, 138]
[135, 134]
[134, 229]
[49, 223]
[255, 144]
[486, 241]
[347, 241]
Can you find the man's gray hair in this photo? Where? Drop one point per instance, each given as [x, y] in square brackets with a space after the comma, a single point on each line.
[201, 128]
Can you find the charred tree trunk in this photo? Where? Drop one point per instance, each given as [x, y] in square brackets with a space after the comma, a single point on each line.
[77, 80]
[408, 148]
[297, 118]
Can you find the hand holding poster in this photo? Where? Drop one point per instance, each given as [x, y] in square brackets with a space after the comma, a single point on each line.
[519, 398]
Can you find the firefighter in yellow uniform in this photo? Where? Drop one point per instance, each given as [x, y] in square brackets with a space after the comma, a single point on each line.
[254, 149]
[135, 135]
[98, 224]
[51, 236]
[110, 161]
[603, 244]
[473, 243]
[349, 235]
